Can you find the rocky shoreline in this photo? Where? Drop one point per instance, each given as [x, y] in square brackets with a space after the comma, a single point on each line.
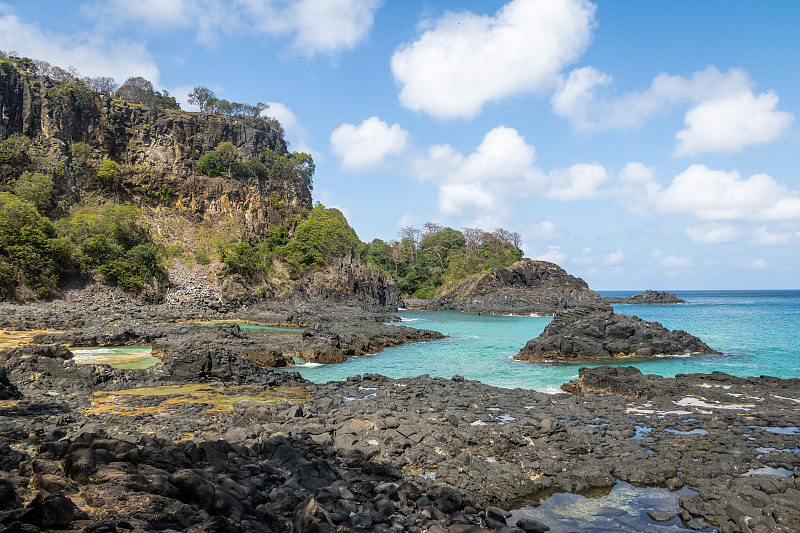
[267, 451]
[210, 441]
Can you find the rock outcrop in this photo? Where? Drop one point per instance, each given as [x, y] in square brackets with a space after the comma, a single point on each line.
[158, 150]
[596, 332]
[648, 297]
[526, 287]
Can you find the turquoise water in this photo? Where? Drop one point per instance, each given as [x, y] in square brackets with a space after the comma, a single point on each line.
[757, 331]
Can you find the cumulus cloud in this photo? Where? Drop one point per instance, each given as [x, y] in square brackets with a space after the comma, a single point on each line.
[707, 194]
[295, 132]
[730, 124]
[482, 183]
[725, 118]
[315, 26]
[578, 182]
[465, 60]
[366, 146]
[91, 54]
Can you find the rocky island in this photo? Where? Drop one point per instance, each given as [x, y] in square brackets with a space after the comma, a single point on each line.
[648, 297]
[596, 332]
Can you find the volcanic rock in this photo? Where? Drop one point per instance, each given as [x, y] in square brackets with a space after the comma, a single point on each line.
[596, 332]
[526, 287]
[648, 297]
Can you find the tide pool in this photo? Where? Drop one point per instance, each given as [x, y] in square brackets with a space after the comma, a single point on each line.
[757, 331]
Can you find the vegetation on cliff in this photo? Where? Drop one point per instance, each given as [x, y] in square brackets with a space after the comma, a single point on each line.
[424, 264]
[117, 181]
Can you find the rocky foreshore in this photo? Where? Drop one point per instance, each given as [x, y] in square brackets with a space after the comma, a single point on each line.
[270, 452]
[597, 332]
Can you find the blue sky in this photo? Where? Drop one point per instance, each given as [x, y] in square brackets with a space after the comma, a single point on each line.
[637, 144]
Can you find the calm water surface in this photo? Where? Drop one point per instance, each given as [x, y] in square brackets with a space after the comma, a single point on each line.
[757, 331]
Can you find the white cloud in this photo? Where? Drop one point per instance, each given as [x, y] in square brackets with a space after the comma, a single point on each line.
[708, 194]
[483, 183]
[578, 182]
[296, 133]
[719, 195]
[323, 26]
[366, 146]
[545, 230]
[730, 124]
[727, 116]
[553, 254]
[713, 233]
[671, 261]
[762, 236]
[466, 60]
[315, 26]
[608, 258]
[91, 54]
[755, 264]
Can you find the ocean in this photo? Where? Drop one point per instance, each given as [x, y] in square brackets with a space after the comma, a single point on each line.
[758, 333]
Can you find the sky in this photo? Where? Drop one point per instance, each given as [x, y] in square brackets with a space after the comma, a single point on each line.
[639, 145]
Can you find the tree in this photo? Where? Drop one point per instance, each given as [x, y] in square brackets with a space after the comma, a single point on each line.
[102, 84]
[203, 97]
[137, 90]
[410, 235]
[211, 164]
[228, 151]
[30, 255]
[108, 170]
[324, 236]
[35, 188]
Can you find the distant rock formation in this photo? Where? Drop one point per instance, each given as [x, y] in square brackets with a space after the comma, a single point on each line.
[648, 297]
[596, 332]
[526, 287]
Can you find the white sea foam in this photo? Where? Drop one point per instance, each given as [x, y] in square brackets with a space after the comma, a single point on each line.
[690, 401]
[785, 398]
[308, 365]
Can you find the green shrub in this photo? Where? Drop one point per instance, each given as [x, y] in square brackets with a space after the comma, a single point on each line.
[211, 164]
[31, 255]
[108, 170]
[35, 188]
[201, 257]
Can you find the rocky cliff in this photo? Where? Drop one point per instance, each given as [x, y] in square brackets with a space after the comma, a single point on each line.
[648, 297]
[525, 287]
[157, 149]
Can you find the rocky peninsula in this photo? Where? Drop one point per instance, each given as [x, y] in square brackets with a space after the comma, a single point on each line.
[526, 287]
[596, 332]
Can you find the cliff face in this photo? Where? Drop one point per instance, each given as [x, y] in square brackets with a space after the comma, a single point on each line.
[525, 287]
[157, 148]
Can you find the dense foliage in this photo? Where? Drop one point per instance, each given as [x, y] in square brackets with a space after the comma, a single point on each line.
[423, 264]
